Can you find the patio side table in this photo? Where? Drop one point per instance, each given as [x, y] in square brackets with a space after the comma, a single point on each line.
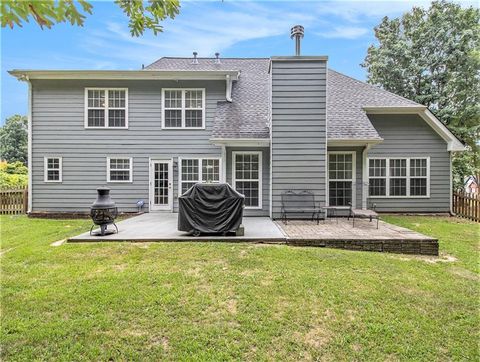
[332, 210]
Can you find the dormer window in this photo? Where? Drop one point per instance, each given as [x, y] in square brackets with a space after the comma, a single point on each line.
[183, 108]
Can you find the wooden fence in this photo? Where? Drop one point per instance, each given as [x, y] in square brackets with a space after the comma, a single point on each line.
[13, 201]
[467, 205]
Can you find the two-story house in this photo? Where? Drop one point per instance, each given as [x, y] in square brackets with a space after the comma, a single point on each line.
[264, 125]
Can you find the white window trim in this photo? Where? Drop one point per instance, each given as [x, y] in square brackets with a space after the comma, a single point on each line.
[353, 179]
[105, 108]
[130, 180]
[46, 169]
[183, 109]
[200, 175]
[387, 176]
[260, 176]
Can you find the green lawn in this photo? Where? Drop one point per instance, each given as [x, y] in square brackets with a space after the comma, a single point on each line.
[226, 301]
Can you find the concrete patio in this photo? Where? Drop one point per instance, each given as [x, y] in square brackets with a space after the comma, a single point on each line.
[335, 233]
[157, 226]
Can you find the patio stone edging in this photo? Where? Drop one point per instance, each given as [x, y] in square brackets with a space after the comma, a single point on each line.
[419, 247]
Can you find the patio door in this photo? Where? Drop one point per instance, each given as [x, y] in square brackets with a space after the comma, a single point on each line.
[161, 190]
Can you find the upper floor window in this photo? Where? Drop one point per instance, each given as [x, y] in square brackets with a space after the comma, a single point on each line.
[106, 108]
[53, 169]
[183, 108]
[119, 169]
[398, 177]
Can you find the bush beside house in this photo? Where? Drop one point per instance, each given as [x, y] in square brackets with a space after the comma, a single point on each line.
[13, 175]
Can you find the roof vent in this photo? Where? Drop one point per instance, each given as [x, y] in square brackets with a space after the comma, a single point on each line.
[297, 32]
[217, 58]
[195, 60]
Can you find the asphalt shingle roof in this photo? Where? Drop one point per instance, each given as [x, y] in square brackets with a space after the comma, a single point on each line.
[247, 116]
[346, 98]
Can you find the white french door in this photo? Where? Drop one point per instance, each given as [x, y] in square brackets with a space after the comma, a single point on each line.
[161, 182]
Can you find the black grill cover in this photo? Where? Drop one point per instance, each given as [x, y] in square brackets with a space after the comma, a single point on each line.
[210, 208]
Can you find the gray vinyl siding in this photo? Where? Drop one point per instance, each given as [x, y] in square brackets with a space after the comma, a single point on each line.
[358, 171]
[410, 136]
[264, 211]
[58, 130]
[298, 128]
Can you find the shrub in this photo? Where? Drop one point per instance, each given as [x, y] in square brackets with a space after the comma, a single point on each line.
[13, 175]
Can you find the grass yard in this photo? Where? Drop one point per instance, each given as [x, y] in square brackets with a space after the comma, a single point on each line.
[226, 301]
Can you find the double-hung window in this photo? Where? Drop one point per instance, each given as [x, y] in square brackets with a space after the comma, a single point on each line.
[341, 178]
[119, 169]
[378, 177]
[247, 177]
[196, 170]
[183, 108]
[53, 169]
[106, 108]
[418, 177]
[398, 177]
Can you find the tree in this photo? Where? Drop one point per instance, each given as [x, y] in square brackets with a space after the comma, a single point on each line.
[432, 56]
[14, 139]
[50, 12]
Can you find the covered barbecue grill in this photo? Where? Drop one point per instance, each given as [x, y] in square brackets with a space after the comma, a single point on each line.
[210, 208]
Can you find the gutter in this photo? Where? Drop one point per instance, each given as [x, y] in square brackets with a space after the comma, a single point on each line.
[338, 142]
[241, 142]
[125, 74]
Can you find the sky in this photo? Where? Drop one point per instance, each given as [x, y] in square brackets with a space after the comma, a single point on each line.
[343, 30]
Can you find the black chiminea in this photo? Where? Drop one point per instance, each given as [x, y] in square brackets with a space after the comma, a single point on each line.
[103, 212]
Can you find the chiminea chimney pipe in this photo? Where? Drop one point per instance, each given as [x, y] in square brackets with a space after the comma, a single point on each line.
[297, 32]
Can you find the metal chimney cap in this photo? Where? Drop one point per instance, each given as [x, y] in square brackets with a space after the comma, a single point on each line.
[217, 58]
[297, 30]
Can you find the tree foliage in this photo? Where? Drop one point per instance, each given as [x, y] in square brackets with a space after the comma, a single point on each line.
[46, 13]
[14, 139]
[432, 56]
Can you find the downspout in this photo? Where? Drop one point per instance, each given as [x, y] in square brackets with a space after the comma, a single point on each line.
[228, 97]
[29, 160]
[228, 91]
[365, 175]
[224, 163]
[451, 185]
[327, 199]
[270, 128]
